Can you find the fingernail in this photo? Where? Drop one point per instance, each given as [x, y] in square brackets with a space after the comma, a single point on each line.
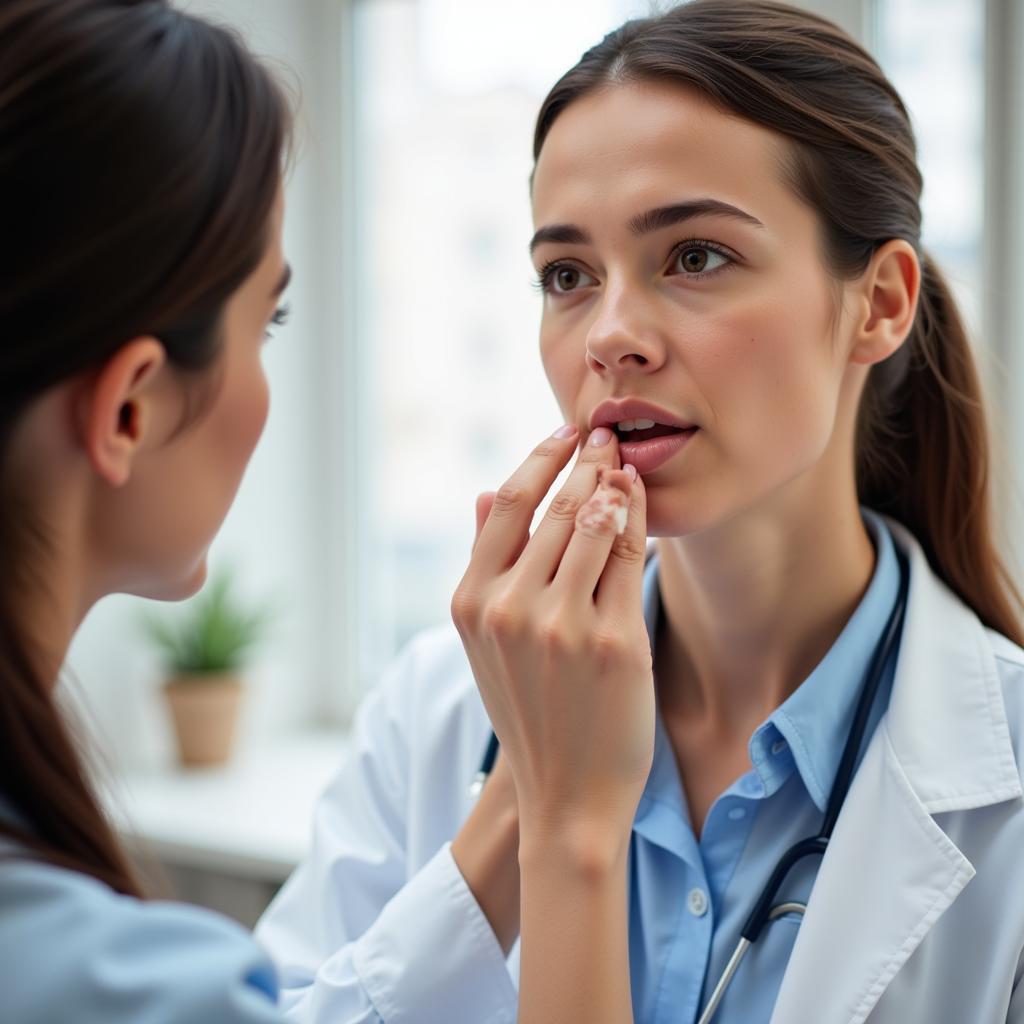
[631, 470]
[569, 430]
[600, 436]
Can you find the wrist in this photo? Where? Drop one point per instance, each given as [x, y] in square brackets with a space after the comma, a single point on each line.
[587, 850]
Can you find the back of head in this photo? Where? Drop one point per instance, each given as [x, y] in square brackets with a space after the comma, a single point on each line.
[922, 451]
[140, 155]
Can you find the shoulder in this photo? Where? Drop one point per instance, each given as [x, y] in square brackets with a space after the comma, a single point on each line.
[71, 948]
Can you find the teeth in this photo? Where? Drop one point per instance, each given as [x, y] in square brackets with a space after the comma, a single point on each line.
[624, 425]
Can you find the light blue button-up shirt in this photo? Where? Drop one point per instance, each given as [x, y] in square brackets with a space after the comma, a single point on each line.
[72, 949]
[689, 898]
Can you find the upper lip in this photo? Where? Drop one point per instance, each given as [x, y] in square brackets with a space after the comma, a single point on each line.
[612, 411]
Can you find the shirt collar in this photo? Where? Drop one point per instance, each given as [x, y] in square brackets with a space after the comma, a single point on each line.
[811, 726]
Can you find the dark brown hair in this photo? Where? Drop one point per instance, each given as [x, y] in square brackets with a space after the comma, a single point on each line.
[141, 150]
[922, 448]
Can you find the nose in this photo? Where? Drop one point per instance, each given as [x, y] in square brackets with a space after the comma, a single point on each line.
[623, 339]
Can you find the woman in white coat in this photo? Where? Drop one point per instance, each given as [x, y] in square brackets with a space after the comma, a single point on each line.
[738, 313]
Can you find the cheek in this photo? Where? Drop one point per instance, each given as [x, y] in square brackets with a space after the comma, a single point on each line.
[565, 368]
[774, 371]
[243, 416]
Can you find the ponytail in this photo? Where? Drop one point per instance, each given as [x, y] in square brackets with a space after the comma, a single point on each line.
[41, 773]
[924, 458]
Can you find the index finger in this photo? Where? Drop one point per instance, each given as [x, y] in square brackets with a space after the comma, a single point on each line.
[621, 583]
[508, 523]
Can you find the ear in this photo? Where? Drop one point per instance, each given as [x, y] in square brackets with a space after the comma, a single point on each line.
[115, 411]
[888, 298]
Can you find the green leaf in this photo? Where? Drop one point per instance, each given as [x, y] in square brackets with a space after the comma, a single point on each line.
[212, 633]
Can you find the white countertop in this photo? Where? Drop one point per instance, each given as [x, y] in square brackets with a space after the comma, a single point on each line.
[252, 817]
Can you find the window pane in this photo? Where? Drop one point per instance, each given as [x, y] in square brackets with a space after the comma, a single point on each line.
[933, 50]
[454, 395]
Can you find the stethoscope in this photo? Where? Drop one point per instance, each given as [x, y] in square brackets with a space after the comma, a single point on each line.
[763, 911]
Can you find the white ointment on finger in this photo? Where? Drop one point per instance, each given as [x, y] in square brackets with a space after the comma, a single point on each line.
[608, 504]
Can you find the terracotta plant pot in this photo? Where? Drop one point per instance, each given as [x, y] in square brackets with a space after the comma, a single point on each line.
[205, 712]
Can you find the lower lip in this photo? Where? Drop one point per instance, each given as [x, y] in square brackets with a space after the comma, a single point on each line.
[647, 456]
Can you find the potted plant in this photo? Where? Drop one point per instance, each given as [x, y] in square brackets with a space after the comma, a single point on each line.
[204, 648]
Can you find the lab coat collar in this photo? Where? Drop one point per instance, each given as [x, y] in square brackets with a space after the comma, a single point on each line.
[947, 721]
[890, 871]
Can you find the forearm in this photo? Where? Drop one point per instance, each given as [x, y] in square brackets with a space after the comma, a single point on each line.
[575, 946]
[486, 851]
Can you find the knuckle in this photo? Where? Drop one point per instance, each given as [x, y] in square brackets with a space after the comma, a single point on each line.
[509, 498]
[565, 506]
[550, 635]
[630, 549]
[465, 607]
[606, 644]
[546, 450]
[597, 453]
[502, 619]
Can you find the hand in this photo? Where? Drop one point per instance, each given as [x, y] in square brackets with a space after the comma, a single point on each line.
[486, 849]
[553, 627]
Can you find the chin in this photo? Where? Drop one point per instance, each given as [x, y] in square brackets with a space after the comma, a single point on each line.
[667, 518]
[174, 589]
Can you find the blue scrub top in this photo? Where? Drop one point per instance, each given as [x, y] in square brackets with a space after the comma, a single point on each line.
[690, 899]
[71, 949]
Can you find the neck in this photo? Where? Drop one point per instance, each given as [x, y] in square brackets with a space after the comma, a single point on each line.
[751, 607]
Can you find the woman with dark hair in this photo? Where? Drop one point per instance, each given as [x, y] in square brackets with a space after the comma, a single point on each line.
[141, 158]
[744, 333]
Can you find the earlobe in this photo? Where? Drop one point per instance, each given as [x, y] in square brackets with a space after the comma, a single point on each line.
[114, 411]
[890, 289]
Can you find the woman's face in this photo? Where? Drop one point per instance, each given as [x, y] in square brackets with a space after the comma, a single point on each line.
[157, 528]
[680, 270]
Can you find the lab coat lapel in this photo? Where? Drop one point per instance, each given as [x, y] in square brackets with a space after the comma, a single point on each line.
[890, 871]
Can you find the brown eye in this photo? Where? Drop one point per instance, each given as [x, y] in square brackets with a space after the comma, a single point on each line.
[699, 259]
[563, 279]
[567, 278]
[694, 260]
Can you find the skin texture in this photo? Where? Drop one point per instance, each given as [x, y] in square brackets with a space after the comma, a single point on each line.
[101, 461]
[763, 552]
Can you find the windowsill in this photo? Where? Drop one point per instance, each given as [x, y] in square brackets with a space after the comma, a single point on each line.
[252, 817]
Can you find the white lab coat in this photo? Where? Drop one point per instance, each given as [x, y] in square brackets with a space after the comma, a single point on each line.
[917, 913]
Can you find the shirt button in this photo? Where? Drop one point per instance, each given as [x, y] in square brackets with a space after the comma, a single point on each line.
[697, 902]
[738, 812]
[778, 746]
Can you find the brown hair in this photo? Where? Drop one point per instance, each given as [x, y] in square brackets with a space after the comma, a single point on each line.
[922, 450]
[141, 150]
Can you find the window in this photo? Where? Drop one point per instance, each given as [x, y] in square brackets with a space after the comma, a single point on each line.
[933, 51]
[455, 396]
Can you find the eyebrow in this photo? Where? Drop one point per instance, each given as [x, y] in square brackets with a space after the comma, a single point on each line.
[652, 220]
[283, 283]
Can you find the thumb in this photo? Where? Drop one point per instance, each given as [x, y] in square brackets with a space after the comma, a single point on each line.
[484, 502]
